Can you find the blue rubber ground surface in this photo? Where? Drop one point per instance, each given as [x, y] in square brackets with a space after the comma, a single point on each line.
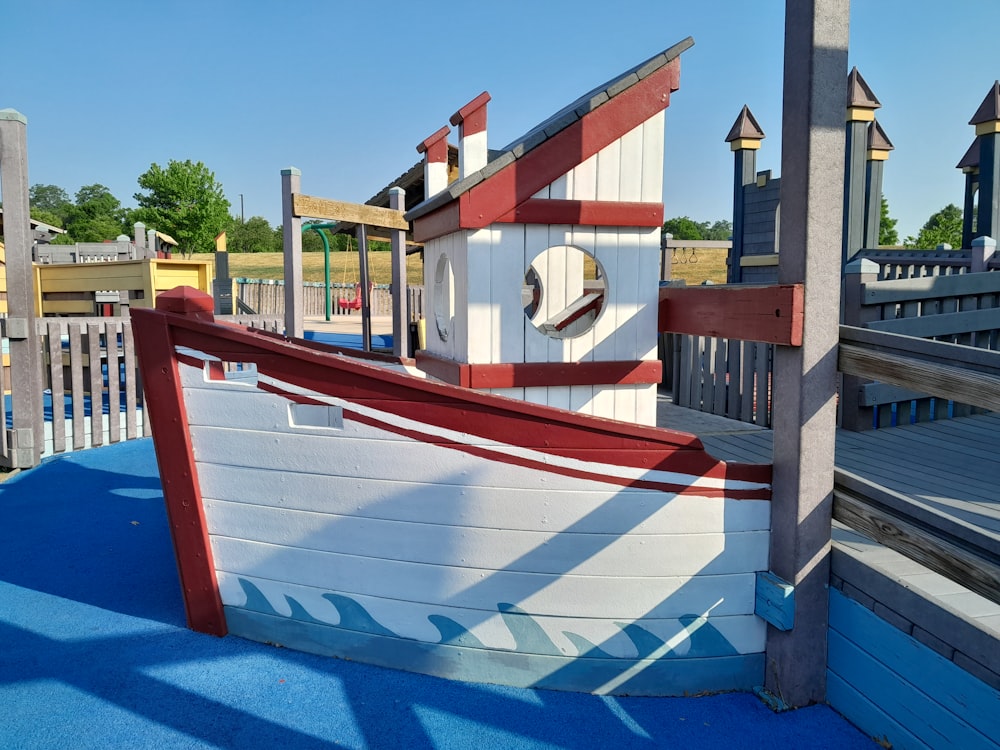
[94, 654]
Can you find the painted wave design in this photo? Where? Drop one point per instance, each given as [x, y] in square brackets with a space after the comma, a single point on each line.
[704, 640]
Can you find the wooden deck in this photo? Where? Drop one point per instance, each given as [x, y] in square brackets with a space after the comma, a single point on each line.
[952, 466]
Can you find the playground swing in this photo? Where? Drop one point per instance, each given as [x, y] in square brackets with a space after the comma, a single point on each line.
[344, 302]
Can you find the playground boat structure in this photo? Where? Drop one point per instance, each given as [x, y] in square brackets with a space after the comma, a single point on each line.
[352, 504]
[342, 506]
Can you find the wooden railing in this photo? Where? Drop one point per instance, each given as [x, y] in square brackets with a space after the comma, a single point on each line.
[960, 551]
[957, 308]
[91, 392]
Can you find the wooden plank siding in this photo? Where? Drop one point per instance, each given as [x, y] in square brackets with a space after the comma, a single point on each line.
[888, 683]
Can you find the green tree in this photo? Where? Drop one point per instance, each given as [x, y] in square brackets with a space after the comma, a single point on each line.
[719, 230]
[254, 235]
[185, 201]
[52, 200]
[887, 234]
[96, 216]
[683, 228]
[46, 217]
[943, 227]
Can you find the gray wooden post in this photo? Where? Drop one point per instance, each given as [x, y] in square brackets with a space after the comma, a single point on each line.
[854, 414]
[400, 299]
[970, 168]
[861, 106]
[291, 183]
[361, 232]
[805, 378]
[744, 140]
[879, 147]
[983, 250]
[140, 240]
[987, 123]
[26, 438]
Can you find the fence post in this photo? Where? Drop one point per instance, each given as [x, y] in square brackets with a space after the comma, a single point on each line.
[983, 250]
[291, 183]
[400, 300]
[805, 377]
[854, 415]
[26, 439]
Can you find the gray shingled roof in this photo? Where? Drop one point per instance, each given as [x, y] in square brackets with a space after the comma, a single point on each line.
[550, 127]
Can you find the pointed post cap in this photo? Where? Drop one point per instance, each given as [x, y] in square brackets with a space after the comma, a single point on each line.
[746, 133]
[861, 100]
[879, 144]
[987, 117]
[970, 162]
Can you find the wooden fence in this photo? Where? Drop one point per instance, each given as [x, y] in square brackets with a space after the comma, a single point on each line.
[721, 376]
[92, 392]
[267, 297]
[960, 308]
[943, 295]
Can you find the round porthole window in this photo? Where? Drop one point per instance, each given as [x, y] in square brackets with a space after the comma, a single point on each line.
[564, 292]
[444, 297]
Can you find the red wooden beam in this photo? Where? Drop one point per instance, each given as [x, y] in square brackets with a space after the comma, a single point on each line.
[181, 491]
[772, 314]
[532, 374]
[589, 213]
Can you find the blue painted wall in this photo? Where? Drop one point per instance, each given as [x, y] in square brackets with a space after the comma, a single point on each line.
[897, 689]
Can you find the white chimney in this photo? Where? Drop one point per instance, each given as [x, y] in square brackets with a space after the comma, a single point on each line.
[435, 151]
[471, 123]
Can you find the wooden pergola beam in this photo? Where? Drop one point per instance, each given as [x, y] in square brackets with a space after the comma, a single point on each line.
[308, 206]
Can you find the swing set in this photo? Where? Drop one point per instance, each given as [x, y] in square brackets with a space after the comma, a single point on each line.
[343, 302]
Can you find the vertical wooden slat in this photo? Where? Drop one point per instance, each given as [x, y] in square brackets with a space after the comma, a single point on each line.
[735, 378]
[707, 363]
[114, 383]
[96, 385]
[76, 384]
[719, 404]
[747, 385]
[762, 383]
[128, 352]
[682, 380]
[56, 388]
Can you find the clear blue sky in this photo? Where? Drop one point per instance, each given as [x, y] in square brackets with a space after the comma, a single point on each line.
[345, 90]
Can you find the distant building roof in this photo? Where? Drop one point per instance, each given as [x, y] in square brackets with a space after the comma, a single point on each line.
[43, 232]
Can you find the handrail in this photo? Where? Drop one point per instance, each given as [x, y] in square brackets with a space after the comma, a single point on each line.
[963, 373]
[964, 553]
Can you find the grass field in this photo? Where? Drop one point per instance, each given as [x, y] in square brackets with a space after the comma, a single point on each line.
[694, 266]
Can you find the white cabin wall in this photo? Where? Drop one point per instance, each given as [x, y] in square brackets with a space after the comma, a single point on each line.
[652, 158]
[479, 283]
[489, 267]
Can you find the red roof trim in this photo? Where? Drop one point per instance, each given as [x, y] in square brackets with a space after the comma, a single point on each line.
[586, 213]
[516, 183]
